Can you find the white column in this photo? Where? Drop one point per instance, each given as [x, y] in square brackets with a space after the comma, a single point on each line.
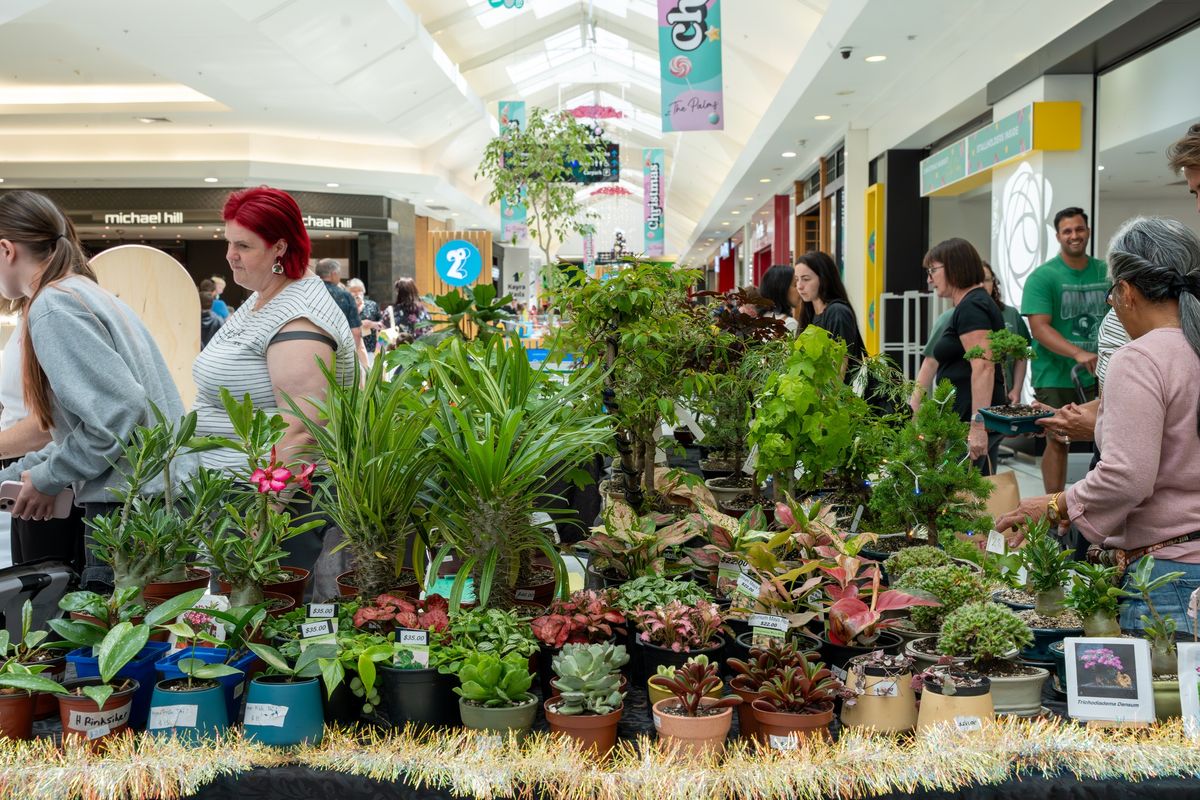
[858, 163]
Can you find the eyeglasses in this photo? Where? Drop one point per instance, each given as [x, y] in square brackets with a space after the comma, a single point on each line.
[1108, 295]
[930, 270]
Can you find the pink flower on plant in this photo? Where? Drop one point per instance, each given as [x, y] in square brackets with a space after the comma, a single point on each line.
[272, 479]
[197, 619]
[304, 476]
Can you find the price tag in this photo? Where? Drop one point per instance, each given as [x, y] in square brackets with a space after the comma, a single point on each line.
[858, 512]
[751, 461]
[322, 610]
[839, 673]
[309, 630]
[996, 543]
[1022, 577]
[97, 733]
[748, 586]
[172, 717]
[524, 595]
[968, 724]
[785, 743]
[657, 722]
[885, 688]
[414, 648]
[266, 715]
[689, 421]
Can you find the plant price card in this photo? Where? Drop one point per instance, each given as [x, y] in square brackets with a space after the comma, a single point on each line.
[1109, 680]
[1189, 686]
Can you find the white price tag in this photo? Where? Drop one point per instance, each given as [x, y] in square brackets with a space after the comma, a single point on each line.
[1022, 577]
[322, 628]
[96, 733]
[751, 461]
[857, 518]
[748, 586]
[657, 722]
[266, 715]
[172, 717]
[996, 543]
[524, 595]
[689, 420]
[968, 724]
[786, 743]
[839, 673]
[770, 622]
[414, 643]
[322, 610]
[93, 720]
[885, 688]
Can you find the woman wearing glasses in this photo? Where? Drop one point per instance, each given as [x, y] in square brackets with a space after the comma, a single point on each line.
[955, 272]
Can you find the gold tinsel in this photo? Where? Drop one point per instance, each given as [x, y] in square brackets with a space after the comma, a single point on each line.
[474, 764]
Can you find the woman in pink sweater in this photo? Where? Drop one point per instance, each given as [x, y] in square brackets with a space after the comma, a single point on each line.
[1143, 497]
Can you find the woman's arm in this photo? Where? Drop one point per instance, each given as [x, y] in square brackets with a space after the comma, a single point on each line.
[1014, 395]
[983, 378]
[23, 437]
[295, 372]
[925, 378]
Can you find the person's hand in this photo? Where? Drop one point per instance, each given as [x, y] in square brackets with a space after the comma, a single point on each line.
[1012, 524]
[977, 441]
[914, 400]
[1087, 359]
[1071, 422]
[32, 504]
[1014, 397]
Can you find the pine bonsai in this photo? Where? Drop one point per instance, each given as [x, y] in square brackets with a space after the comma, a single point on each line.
[1005, 348]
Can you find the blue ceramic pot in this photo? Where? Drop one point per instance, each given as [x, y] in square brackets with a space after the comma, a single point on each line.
[1059, 678]
[283, 712]
[140, 669]
[1039, 651]
[191, 715]
[233, 686]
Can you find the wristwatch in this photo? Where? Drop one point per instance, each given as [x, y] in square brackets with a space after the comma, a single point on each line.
[1052, 512]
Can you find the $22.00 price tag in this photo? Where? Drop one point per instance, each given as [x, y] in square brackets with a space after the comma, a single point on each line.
[768, 625]
[748, 586]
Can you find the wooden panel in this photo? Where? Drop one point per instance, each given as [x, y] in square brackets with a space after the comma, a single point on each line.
[434, 239]
[160, 291]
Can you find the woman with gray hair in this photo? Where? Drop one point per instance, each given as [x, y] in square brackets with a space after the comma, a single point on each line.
[369, 313]
[1143, 496]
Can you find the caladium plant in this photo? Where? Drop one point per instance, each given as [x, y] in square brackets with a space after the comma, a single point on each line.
[858, 602]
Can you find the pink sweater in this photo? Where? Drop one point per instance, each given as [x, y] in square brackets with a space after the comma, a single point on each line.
[1146, 488]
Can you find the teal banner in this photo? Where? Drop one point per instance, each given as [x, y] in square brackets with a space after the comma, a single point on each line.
[1004, 139]
[689, 54]
[514, 227]
[946, 166]
[653, 194]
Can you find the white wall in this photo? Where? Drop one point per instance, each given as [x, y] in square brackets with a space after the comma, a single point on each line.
[967, 217]
[1113, 211]
[623, 212]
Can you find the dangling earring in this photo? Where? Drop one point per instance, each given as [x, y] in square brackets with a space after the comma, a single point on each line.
[277, 268]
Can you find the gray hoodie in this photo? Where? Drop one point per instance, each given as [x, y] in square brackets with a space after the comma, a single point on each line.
[104, 370]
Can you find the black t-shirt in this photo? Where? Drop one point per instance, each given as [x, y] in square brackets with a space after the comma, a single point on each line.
[976, 312]
[839, 321]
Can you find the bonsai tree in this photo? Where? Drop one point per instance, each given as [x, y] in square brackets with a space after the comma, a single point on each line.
[372, 439]
[984, 633]
[1157, 629]
[1096, 597]
[1047, 567]
[1005, 349]
[503, 434]
[953, 586]
[902, 561]
[927, 483]
[589, 678]
[533, 165]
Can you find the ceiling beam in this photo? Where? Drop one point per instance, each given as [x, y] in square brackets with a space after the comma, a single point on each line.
[627, 74]
[448, 21]
[556, 23]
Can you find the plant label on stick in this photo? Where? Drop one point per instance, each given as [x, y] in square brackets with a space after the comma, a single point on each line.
[996, 543]
[751, 461]
[748, 586]
[311, 630]
[414, 648]
[888, 687]
[766, 627]
[524, 595]
[689, 421]
[322, 610]
[857, 518]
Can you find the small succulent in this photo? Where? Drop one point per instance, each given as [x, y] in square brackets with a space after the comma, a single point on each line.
[691, 683]
[766, 663]
[900, 562]
[983, 632]
[952, 585]
[589, 678]
[805, 688]
[1095, 590]
[494, 682]
[1047, 566]
[679, 627]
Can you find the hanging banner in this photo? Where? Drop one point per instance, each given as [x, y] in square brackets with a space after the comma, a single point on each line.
[689, 55]
[589, 254]
[652, 201]
[514, 229]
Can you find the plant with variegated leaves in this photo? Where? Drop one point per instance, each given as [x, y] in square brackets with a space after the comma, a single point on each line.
[691, 683]
[855, 616]
[586, 617]
[678, 628]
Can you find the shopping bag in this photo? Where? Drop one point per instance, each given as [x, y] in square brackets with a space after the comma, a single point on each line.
[1006, 493]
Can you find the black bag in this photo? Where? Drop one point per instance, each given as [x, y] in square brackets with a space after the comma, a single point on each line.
[43, 583]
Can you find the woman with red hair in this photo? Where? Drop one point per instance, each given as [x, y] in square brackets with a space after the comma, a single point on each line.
[273, 346]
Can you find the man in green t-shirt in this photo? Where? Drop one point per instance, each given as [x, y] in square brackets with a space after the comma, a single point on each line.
[1065, 302]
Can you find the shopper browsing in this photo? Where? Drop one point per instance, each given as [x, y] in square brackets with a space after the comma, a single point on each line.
[778, 286]
[825, 303]
[330, 271]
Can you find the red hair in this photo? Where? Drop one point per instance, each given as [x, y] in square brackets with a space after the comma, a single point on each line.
[273, 215]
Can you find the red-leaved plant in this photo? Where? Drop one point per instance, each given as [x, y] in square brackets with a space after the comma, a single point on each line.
[691, 683]
[807, 687]
[678, 627]
[586, 617]
[856, 614]
[765, 663]
[388, 612]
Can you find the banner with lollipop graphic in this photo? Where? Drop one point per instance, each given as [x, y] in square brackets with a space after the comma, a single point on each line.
[689, 53]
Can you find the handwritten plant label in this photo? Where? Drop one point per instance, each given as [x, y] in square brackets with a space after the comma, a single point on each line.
[885, 688]
[266, 715]
[172, 717]
[93, 720]
[996, 543]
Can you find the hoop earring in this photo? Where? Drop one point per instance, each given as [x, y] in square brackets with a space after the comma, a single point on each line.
[277, 268]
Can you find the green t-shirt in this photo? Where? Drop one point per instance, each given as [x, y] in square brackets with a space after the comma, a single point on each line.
[1074, 299]
[939, 327]
[1015, 324]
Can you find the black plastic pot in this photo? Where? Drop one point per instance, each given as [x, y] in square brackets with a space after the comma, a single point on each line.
[839, 655]
[654, 656]
[343, 708]
[423, 696]
[739, 648]
[597, 579]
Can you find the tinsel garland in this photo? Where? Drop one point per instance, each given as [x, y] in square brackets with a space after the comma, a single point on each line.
[477, 765]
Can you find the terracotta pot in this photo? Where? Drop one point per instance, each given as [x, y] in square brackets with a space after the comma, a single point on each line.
[747, 724]
[16, 715]
[655, 693]
[594, 732]
[783, 731]
[165, 590]
[692, 736]
[887, 704]
[347, 587]
[81, 717]
[293, 588]
[969, 707]
[45, 705]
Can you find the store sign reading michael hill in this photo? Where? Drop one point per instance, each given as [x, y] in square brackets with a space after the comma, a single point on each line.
[689, 54]
[458, 263]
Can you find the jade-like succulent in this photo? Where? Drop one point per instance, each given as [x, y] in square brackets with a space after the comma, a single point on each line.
[495, 682]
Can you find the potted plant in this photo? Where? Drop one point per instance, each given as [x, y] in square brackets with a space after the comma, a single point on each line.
[193, 706]
[1160, 631]
[988, 637]
[47, 659]
[494, 694]
[673, 633]
[20, 687]
[761, 665]
[590, 701]
[486, 630]
[1095, 596]
[691, 722]
[1004, 349]
[283, 706]
[586, 617]
[884, 699]
[627, 546]
[504, 433]
[955, 696]
[796, 703]
[952, 586]
[98, 707]
[902, 561]
[1048, 568]
[655, 591]
[414, 690]
[656, 692]
[372, 438]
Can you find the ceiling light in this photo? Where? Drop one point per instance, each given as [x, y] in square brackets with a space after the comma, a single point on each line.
[1, 180]
[875, 59]
[104, 236]
[764, 180]
[151, 120]
[1100, 168]
[725, 223]
[332, 185]
[210, 180]
[735, 213]
[789, 154]
[822, 117]
[215, 236]
[198, 227]
[455, 214]
[748, 199]
[429, 202]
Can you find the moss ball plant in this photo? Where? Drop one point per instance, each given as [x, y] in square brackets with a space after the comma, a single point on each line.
[984, 633]
[900, 562]
[952, 585]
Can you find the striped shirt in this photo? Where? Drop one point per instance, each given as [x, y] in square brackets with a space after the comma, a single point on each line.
[236, 358]
[1109, 339]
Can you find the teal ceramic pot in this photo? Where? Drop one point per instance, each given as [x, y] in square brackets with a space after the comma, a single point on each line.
[283, 712]
[190, 714]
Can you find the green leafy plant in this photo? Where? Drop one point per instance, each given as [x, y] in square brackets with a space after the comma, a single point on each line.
[197, 669]
[307, 663]
[372, 439]
[21, 677]
[1005, 348]
[952, 585]
[504, 434]
[655, 591]
[984, 633]
[83, 633]
[902, 561]
[1095, 590]
[469, 313]
[589, 678]
[691, 684]
[118, 647]
[1047, 566]
[631, 546]
[1158, 630]
[494, 682]
[928, 483]
[487, 630]
[33, 646]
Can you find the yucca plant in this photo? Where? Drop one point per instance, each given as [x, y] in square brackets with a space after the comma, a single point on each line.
[505, 433]
[374, 442]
